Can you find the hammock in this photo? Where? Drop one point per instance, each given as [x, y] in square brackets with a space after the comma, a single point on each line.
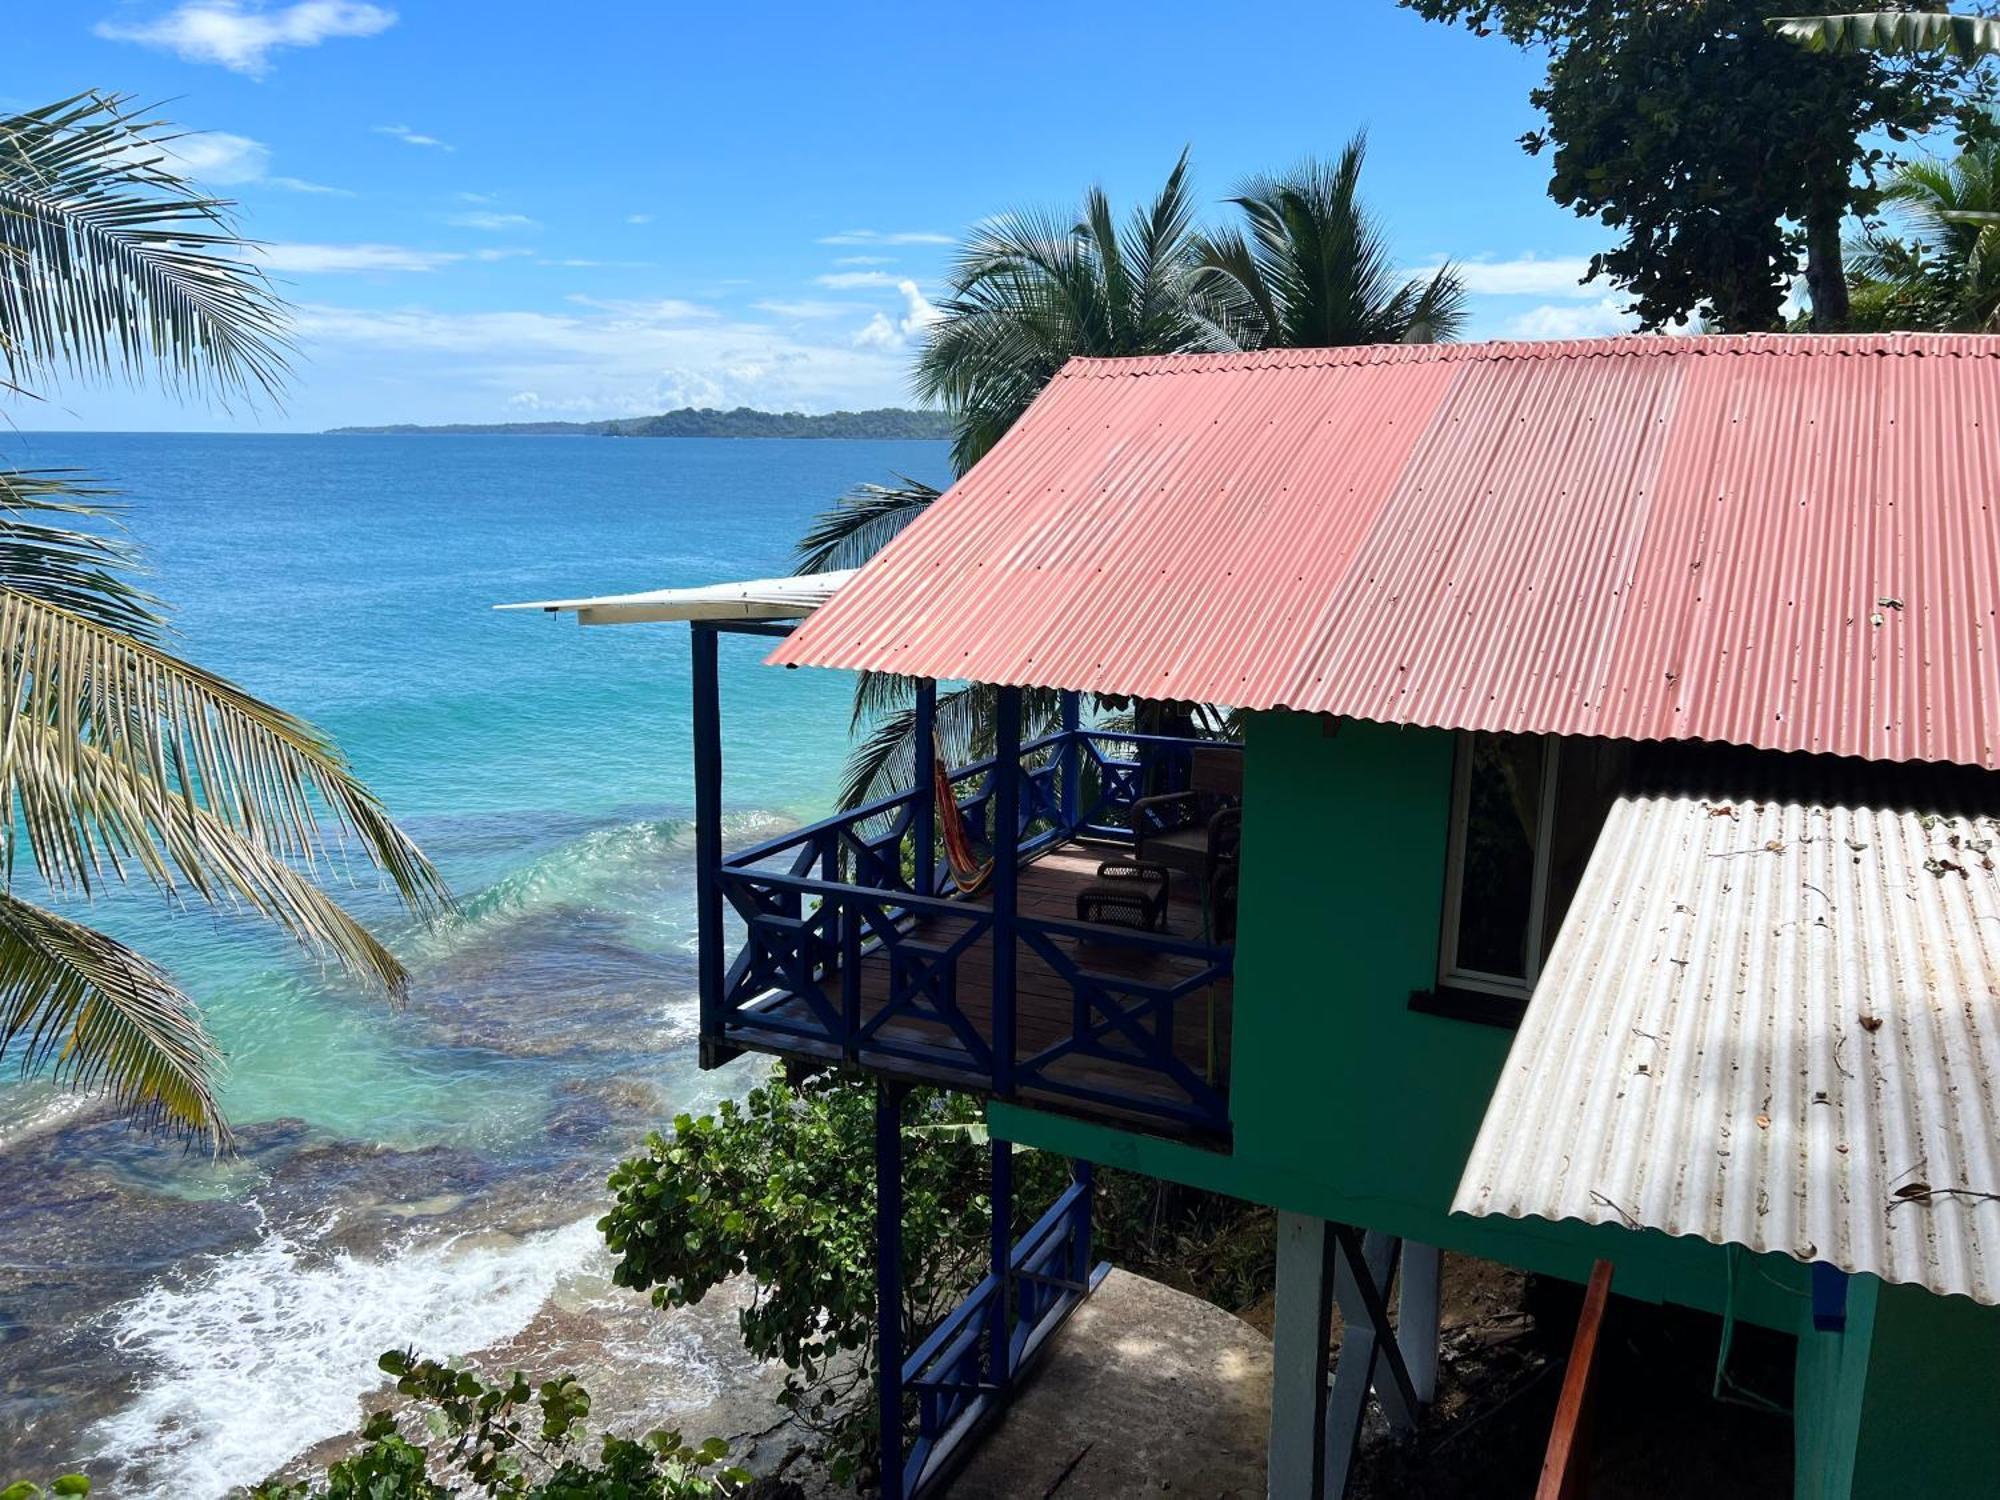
[968, 873]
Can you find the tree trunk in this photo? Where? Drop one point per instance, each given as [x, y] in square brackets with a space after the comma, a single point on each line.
[1826, 270]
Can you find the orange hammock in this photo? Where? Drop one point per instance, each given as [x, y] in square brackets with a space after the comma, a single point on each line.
[968, 873]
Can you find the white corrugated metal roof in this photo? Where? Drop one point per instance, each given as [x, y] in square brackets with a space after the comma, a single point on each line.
[1772, 1024]
[752, 599]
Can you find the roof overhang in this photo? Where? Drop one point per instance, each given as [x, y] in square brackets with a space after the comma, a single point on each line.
[1771, 1024]
[751, 599]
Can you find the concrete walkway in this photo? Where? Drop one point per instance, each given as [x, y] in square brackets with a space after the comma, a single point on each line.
[1146, 1391]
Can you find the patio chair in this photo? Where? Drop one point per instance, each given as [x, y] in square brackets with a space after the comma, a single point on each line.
[1198, 830]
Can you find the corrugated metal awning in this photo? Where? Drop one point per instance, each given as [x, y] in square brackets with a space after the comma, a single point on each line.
[1780, 541]
[1771, 1024]
[752, 599]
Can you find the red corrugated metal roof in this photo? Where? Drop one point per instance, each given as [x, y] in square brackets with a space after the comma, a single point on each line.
[1787, 542]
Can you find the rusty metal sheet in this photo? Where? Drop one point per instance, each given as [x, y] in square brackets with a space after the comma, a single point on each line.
[1780, 541]
[1770, 1024]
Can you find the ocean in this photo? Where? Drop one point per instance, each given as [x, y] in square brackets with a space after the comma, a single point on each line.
[428, 1175]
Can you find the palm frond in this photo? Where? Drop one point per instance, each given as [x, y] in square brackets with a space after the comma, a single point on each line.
[44, 555]
[104, 1019]
[1892, 31]
[112, 262]
[103, 736]
[860, 524]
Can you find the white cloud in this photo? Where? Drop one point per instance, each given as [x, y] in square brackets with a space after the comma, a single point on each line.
[638, 218]
[584, 263]
[804, 308]
[1570, 321]
[598, 359]
[865, 260]
[411, 137]
[241, 37]
[492, 221]
[1523, 276]
[878, 237]
[219, 159]
[847, 281]
[316, 260]
[885, 332]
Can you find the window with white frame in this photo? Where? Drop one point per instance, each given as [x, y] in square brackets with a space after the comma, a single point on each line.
[1526, 811]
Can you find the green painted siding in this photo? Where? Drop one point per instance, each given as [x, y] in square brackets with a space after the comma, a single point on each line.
[1347, 1104]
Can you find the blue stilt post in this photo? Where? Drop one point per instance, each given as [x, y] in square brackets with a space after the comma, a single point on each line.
[1006, 878]
[1080, 1174]
[999, 1312]
[1072, 758]
[889, 1280]
[707, 705]
[925, 736]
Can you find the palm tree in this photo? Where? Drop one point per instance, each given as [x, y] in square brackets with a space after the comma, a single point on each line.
[1947, 276]
[1314, 270]
[1895, 31]
[119, 760]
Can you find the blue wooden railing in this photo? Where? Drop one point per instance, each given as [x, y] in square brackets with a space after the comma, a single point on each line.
[817, 901]
[953, 1376]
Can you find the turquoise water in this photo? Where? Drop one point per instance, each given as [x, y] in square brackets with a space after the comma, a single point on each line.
[546, 769]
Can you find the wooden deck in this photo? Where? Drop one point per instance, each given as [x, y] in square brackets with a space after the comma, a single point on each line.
[1047, 1007]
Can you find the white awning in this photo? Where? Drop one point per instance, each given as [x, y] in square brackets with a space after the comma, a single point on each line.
[752, 599]
[1773, 1024]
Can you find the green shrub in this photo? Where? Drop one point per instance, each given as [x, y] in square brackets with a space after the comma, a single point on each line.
[782, 1187]
[506, 1441]
[69, 1484]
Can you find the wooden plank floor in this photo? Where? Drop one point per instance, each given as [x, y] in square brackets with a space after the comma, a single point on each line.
[1045, 1005]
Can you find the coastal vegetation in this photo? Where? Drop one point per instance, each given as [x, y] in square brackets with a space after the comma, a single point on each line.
[885, 422]
[1727, 159]
[124, 762]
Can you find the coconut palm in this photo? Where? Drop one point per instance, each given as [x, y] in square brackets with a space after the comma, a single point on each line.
[119, 760]
[1314, 269]
[1894, 31]
[1946, 275]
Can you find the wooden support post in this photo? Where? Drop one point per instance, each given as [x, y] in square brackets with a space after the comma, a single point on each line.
[709, 969]
[1080, 1263]
[889, 1281]
[1417, 1292]
[1070, 767]
[924, 827]
[999, 1312]
[1300, 1325]
[1566, 1464]
[1006, 831]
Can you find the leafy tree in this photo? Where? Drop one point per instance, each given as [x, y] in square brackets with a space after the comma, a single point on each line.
[782, 1188]
[1943, 271]
[1720, 153]
[1314, 269]
[507, 1441]
[121, 760]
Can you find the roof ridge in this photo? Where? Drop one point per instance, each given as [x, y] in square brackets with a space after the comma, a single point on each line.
[1642, 345]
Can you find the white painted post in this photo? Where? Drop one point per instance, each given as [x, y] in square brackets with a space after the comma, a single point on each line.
[1306, 1252]
[1354, 1371]
[1417, 1316]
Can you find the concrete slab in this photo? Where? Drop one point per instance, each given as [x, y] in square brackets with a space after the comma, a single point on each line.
[1146, 1391]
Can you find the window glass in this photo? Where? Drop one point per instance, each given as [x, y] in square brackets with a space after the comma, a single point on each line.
[1503, 817]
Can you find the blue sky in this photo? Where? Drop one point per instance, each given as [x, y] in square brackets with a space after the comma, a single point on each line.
[504, 210]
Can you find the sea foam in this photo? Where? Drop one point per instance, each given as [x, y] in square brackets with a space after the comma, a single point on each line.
[271, 1349]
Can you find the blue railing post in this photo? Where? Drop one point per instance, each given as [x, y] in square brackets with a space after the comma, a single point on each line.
[1006, 878]
[925, 748]
[889, 1281]
[1079, 1266]
[707, 706]
[999, 1321]
[1072, 758]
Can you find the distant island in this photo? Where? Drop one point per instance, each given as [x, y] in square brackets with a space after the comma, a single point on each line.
[690, 421]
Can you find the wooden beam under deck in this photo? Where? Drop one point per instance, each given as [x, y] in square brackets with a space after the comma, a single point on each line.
[1046, 1004]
